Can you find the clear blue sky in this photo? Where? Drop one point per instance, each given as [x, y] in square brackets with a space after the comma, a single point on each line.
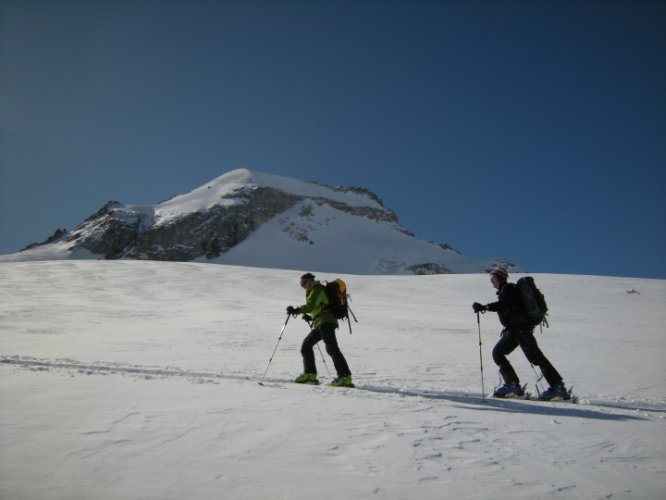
[532, 130]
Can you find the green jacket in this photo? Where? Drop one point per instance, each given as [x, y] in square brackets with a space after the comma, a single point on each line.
[316, 304]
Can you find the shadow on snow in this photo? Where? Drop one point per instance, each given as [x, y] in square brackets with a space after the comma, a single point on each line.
[555, 409]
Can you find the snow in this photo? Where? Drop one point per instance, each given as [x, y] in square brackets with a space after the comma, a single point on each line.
[220, 192]
[138, 380]
[59, 250]
[320, 241]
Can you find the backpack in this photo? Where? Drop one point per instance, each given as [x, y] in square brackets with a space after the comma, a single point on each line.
[336, 291]
[534, 302]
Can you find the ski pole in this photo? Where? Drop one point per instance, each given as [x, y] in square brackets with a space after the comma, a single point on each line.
[478, 322]
[261, 382]
[323, 359]
[536, 384]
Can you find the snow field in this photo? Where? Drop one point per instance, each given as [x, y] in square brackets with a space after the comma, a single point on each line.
[138, 380]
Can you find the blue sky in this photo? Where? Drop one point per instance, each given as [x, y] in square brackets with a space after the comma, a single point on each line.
[531, 130]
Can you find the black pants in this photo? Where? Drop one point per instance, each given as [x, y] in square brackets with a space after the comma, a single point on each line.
[523, 337]
[325, 332]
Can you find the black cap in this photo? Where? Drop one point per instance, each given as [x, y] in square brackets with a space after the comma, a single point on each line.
[307, 277]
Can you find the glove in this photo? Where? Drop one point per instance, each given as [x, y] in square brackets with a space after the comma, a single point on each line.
[293, 310]
[478, 307]
[307, 318]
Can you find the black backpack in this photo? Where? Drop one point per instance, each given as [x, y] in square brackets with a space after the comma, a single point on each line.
[534, 302]
[336, 291]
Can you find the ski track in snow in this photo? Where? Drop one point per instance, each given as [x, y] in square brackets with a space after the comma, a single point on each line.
[560, 408]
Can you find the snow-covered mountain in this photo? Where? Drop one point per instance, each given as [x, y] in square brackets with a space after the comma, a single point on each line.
[255, 219]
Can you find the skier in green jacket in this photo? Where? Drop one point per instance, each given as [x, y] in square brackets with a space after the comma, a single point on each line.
[324, 324]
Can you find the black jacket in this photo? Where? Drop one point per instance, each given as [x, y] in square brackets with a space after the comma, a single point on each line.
[510, 307]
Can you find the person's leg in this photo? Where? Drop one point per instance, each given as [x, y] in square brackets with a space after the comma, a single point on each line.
[307, 351]
[333, 350]
[534, 355]
[505, 346]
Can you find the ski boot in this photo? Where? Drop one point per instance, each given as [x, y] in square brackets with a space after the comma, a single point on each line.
[509, 390]
[344, 381]
[557, 393]
[307, 378]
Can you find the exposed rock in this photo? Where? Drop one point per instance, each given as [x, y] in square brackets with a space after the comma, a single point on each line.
[429, 268]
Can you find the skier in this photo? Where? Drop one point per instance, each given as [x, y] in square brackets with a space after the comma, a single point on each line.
[324, 325]
[517, 332]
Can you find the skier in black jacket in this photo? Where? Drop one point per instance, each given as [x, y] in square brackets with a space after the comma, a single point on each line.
[517, 332]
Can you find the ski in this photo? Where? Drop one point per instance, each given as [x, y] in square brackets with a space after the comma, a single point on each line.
[528, 397]
[571, 398]
[525, 397]
[284, 385]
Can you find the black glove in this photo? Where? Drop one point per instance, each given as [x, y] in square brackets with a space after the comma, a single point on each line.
[307, 318]
[293, 310]
[478, 307]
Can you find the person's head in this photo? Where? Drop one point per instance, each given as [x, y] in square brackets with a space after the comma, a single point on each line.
[307, 280]
[498, 276]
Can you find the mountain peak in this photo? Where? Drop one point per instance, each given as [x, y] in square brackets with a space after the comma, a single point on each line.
[229, 189]
[256, 219]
